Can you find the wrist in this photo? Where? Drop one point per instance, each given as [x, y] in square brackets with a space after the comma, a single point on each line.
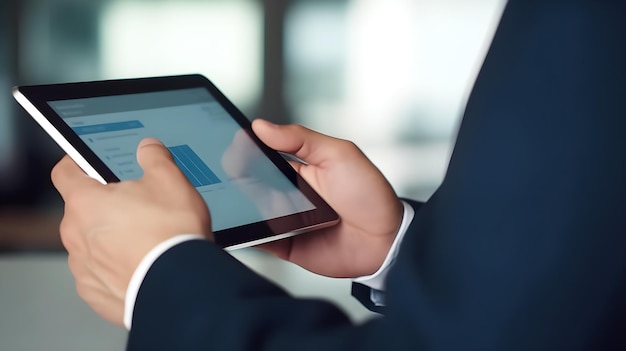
[379, 249]
[378, 279]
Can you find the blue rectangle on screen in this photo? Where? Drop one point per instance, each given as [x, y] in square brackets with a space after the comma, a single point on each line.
[198, 173]
[107, 127]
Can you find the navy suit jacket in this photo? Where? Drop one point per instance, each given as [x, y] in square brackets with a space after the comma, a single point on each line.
[523, 246]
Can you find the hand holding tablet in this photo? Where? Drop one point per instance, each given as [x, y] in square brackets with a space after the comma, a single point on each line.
[100, 124]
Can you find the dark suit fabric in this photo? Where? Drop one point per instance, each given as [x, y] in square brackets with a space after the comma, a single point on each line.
[523, 246]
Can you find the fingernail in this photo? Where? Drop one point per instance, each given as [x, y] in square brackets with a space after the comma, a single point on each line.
[149, 141]
[270, 123]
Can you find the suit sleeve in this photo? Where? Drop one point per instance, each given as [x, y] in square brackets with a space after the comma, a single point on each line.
[369, 294]
[522, 246]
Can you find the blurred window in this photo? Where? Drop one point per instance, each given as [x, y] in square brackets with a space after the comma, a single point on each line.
[391, 75]
[71, 40]
[220, 39]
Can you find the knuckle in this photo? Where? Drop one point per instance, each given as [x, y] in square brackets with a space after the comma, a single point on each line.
[70, 237]
[348, 147]
[64, 231]
[57, 167]
[54, 174]
[73, 264]
[82, 289]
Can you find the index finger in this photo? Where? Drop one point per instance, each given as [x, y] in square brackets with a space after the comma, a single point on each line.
[67, 176]
[308, 145]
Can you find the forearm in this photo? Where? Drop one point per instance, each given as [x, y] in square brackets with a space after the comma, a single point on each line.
[373, 298]
[196, 294]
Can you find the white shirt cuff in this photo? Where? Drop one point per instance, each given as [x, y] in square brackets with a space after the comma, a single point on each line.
[377, 280]
[142, 270]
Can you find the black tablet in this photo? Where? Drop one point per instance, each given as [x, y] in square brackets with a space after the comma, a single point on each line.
[253, 194]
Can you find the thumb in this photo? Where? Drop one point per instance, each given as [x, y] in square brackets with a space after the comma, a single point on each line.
[308, 145]
[152, 155]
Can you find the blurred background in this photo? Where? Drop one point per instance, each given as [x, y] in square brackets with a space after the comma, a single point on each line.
[392, 76]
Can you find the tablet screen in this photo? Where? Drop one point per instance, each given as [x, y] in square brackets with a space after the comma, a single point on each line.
[254, 195]
[235, 178]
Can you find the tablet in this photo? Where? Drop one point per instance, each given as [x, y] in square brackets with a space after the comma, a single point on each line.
[254, 195]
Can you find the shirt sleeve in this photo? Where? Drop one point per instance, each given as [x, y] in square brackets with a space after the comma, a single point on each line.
[142, 270]
[377, 280]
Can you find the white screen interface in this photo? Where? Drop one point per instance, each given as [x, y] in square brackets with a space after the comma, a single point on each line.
[237, 181]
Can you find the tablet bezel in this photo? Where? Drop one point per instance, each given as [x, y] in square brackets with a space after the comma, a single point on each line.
[35, 99]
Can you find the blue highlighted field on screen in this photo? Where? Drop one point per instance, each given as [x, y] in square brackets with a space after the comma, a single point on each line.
[198, 173]
[107, 127]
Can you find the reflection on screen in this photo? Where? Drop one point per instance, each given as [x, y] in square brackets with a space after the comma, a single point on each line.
[237, 181]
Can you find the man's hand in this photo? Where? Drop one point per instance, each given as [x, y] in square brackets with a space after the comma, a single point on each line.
[108, 229]
[370, 211]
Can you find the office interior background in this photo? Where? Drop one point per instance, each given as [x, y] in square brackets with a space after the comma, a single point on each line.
[392, 76]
